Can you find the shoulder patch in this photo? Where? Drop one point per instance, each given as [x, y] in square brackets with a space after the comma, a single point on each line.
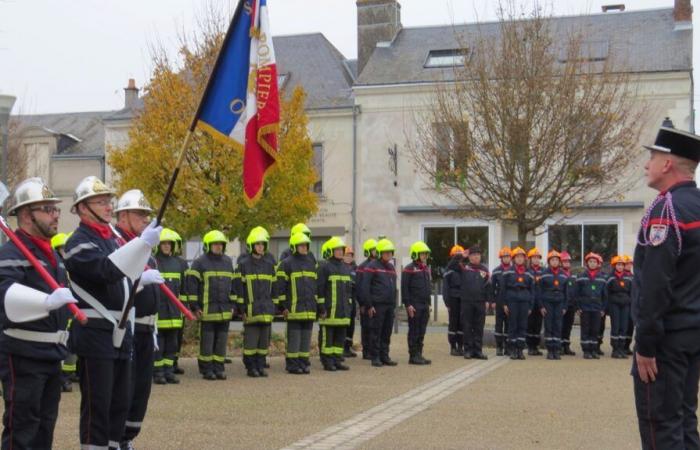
[658, 234]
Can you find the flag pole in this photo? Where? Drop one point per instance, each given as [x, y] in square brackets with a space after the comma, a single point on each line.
[181, 156]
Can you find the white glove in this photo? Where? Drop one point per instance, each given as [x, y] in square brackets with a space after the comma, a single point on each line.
[58, 298]
[151, 234]
[151, 276]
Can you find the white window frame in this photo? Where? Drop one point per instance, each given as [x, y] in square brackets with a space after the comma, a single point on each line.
[583, 221]
[493, 253]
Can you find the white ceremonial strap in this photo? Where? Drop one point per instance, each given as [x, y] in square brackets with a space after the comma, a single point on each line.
[103, 312]
[57, 337]
[131, 258]
[146, 320]
[25, 304]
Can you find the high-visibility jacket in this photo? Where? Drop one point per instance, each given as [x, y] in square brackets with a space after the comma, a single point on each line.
[296, 287]
[254, 282]
[335, 292]
[173, 269]
[209, 285]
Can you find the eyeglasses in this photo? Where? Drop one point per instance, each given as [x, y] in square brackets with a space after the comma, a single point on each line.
[104, 202]
[48, 209]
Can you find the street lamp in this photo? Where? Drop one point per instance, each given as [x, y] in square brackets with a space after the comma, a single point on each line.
[6, 104]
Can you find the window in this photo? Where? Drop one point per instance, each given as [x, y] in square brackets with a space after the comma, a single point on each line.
[318, 165]
[580, 239]
[447, 58]
[451, 146]
[282, 80]
[440, 239]
[593, 51]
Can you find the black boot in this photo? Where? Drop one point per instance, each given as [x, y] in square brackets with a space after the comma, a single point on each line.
[550, 354]
[413, 358]
[348, 352]
[499, 348]
[557, 353]
[388, 361]
[567, 350]
[260, 365]
[376, 362]
[521, 354]
[597, 351]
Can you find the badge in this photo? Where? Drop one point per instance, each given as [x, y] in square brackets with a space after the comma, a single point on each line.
[520, 280]
[658, 234]
[622, 284]
[556, 282]
[593, 287]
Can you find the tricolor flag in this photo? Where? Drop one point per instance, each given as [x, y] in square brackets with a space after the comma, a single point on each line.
[241, 102]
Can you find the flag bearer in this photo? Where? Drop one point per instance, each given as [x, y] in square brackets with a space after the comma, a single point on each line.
[591, 300]
[210, 288]
[619, 291]
[415, 296]
[517, 292]
[451, 291]
[501, 329]
[551, 299]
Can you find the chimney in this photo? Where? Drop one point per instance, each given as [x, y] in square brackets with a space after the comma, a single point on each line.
[131, 94]
[683, 15]
[377, 21]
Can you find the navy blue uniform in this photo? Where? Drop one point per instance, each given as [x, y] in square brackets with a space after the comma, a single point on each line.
[666, 310]
[534, 320]
[500, 331]
[105, 371]
[517, 291]
[551, 295]
[378, 291]
[570, 315]
[415, 292]
[475, 293]
[590, 292]
[619, 288]
[451, 286]
[30, 371]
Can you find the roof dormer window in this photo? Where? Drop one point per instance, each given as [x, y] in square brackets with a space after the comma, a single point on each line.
[447, 58]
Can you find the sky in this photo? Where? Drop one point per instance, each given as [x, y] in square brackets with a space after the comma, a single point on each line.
[77, 55]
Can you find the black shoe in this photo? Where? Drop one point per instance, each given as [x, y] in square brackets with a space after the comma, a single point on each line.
[479, 355]
[595, 355]
[534, 351]
[377, 363]
[159, 379]
[550, 356]
[366, 357]
[171, 379]
[568, 352]
[209, 376]
[349, 353]
[296, 371]
[389, 362]
[341, 366]
[455, 352]
[329, 367]
[415, 360]
[67, 386]
[227, 361]
[587, 355]
[499, 350]
[628, 352]
[178, 370]
[252, 373]
[599, 352]
[424, 361]
[262, 372]
[220, 376]
[513, 355]
[521, 355]
[557, 355]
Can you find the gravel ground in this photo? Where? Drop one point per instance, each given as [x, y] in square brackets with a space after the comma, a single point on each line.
[531, 404]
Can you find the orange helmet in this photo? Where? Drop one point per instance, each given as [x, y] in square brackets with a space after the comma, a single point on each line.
[595, 256]
[456, 249]
[627, 259]
[517, 251]
[617, 259]
[553, 254]
[505, 251]
[349, 251]
[564, 256]
[534, 252]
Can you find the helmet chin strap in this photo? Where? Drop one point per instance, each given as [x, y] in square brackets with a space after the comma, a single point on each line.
[94, 214]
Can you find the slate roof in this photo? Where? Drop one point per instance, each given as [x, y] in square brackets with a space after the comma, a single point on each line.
[647, 39]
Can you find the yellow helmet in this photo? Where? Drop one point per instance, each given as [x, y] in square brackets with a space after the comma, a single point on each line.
[368, 246]
[300, 228]
[257, 234]
[212, 237]
[298, 239]
[385, 245]
[417, 248]
[330, 245]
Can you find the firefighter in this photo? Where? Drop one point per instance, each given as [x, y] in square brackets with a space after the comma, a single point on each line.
[517, 292]
[296, 296]
[33, 318]
[591, 298]
[451, 291]
[551, 300]
[298, 228]
[379, 298]
[170, 319]
[534, 320]
[184, 298]
[68, 368]
[133, 215]
[619, 291]
[629, 263]
[209, 284]
[335, 294]
[571, 309]
[369, 250]
[349, 260]
[254, 282]
[415, 296]
[102, 271]
[475, 296]
[500, 332]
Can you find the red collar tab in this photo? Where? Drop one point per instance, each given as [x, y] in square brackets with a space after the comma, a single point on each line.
[103, 230]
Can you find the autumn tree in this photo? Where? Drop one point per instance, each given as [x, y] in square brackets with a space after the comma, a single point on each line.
[537, 123]
[209, 191]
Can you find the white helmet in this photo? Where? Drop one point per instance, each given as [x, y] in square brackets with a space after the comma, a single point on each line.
[31, 190]
[133, 200]
[90, 187]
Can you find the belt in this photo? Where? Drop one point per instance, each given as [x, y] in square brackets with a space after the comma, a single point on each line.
[56, 337]
[146, 320]
[94, 314]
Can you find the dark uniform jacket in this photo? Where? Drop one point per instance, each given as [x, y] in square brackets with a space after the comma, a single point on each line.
[590, 291]
[666, 289]
[173, 269]
[476, 284]
[378, 284]
[552, 287]
[86, 258]
[452, 281]
[147, 300]
[296, 286]
[254, 287]
[359, 273]
[335, 292]
[517, 286]
[209, 284]
[415, 285]
[14, 268]
[496, 280]
[619, 288]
